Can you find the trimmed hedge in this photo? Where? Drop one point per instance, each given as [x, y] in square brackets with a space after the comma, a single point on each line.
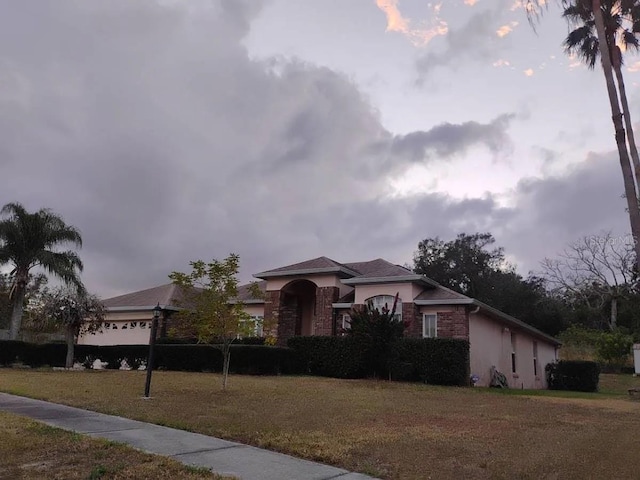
[439, 361]
[338, 357]
[245, 359]
[11, 350]
[580, 376]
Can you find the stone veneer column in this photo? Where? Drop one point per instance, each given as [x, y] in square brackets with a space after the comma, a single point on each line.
[412, 319]
[454, 324]
[271, 312]
[325, 297]
[288, 318]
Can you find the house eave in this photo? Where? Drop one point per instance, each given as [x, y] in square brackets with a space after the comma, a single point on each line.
[445, 301]
[253, 301]
[397, 279]
[142, 308]
[342, 305]
[342, 272]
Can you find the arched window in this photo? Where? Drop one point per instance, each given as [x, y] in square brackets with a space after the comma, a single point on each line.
[381, 302]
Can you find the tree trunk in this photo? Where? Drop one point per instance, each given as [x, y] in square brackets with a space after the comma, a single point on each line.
[616, 116]
[614, 313]
[226, 354]
[617, 67]
[17, 310]
[71, 337]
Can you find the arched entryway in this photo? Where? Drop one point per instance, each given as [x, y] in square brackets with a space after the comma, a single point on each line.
[297, 308]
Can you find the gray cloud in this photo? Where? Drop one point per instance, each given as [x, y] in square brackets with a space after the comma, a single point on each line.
[149, 127]
[475, 40]
[446, 140]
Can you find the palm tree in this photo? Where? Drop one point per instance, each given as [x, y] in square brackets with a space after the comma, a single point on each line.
[29, 240]
[621, 21]
[534, 9]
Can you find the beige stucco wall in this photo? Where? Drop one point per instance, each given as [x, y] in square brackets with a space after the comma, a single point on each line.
[254, 310]
[319, 280]
[132, 335]
[364, 292]
[491, 346]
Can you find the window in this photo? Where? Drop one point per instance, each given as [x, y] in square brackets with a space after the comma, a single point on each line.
[381, 302]
[346, 321]
[535, 358]
[513, 352]
[429, 325]
[252, 327]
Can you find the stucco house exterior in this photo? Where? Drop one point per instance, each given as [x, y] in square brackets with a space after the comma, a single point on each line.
[315, 297]
[128, 318]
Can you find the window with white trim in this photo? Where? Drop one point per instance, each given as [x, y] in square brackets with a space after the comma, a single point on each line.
[252, 326]
[429, 325]
[382, 302]
[346, 321]
[535, 358]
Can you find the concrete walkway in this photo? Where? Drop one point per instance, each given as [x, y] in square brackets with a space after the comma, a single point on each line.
[221, 456]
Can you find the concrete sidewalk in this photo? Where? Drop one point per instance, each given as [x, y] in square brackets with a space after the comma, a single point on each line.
[220, 456]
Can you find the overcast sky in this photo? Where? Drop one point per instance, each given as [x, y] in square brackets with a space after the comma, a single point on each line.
[169, 131]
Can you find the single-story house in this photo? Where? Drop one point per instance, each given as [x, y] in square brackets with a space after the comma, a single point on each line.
[315, 297]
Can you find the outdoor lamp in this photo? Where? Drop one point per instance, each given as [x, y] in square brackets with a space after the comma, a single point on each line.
[157, 310]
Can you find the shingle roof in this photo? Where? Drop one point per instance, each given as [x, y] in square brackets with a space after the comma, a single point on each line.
[165, 295]
[378, 268]
[320, 262]
[244, 291]
[439, 293]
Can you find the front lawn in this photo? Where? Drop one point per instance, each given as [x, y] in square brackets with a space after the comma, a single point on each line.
[32, 450]
[392, 430]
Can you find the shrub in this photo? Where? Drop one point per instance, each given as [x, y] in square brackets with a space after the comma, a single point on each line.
[614, 349]
[246, 359]
[439, 361]
[581, 376]
[374, 333]
[47, 354]
[338, 357]
[11, 351]
[263, 360]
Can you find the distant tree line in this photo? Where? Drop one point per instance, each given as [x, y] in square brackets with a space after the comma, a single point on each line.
[592, 283]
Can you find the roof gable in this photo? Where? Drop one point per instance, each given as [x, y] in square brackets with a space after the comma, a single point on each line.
[309, 267]
[378, 268]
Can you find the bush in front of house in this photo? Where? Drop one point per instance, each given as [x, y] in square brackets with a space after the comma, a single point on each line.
[374, 332]
[11, 351]
[576, 375]
[46, 354]
[112, 355]
[337, 357]
[245, 359]
[438, 361]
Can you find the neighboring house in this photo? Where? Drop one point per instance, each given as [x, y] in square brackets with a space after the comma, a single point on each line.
[129, 317]
[315, 297]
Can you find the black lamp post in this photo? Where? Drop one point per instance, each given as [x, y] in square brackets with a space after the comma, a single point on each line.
[152, 343]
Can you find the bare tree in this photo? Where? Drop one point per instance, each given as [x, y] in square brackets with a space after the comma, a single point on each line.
[594, 271]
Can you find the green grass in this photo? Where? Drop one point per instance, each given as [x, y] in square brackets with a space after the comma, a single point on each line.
[387, 429]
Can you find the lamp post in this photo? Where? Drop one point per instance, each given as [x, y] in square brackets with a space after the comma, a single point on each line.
[152, 343]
